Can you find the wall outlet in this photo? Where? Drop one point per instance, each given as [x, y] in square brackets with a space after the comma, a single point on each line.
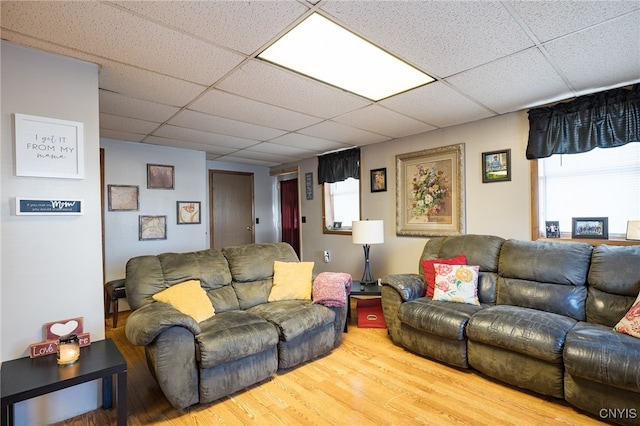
[327, 256]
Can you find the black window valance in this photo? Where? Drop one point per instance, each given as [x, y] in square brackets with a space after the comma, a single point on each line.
[604, 120]
[338, 166]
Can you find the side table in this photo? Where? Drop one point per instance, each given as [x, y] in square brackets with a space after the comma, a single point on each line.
[360, 289]
[26, 378]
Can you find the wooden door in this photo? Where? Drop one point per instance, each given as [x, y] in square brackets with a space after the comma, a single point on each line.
[231, 208]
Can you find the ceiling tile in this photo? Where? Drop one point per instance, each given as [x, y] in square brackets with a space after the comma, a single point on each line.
[203, 138]
[441, 37]
[124, 124]
[285, 150]
[213, 149]
[438, 104]
[117, 104]
[240, 160]
[275, 86]
[531, 78]
[239, 25]
[558, 18]
[150, 86]
[121, 136]
[228, 105]
[602, 56]
[110, 32]
[264, 156]
[341, 133]
[225, 126]
[383, 121]
[309, 142]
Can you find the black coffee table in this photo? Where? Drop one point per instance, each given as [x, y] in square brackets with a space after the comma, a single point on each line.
[26, 378]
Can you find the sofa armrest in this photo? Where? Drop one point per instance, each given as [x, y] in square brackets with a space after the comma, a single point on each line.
[146, 323]
[408, 286]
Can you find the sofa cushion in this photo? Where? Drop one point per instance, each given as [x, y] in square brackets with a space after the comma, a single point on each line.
[294, 317]
[481, 250]
[233, 335]
[614, 283]
[189, 298]
[599, 354]
[148, 275]
[430, 272]
[548, 276]
[456, 283]
[254, 262]
[630, 323]
[530, 332]
[291, 280]
[445, 319]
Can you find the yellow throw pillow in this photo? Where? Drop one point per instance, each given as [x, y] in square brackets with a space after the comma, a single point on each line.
[291, 280]
[189, 298]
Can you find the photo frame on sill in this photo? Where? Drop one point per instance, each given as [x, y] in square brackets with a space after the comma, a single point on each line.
[496, 166]
[379, 180]
[152, 228]
[123, 198]
[160, 176]
[188, 212]
[595, 228]
[552, 228]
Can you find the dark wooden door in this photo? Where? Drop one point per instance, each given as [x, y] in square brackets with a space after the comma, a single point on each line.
[231, 207]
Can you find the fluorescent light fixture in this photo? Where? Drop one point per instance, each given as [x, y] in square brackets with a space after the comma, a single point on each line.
[325, 51]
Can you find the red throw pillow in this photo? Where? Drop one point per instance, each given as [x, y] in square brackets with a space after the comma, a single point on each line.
[430, 272]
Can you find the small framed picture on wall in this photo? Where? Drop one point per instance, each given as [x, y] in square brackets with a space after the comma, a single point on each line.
[188, 212]
[152, 228]
[496, 166]
[379, 180]
[160, 177]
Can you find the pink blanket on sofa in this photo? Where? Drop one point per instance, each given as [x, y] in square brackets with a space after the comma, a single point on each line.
[331, 288]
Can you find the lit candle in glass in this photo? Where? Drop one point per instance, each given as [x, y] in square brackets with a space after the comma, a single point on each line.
[68, 349]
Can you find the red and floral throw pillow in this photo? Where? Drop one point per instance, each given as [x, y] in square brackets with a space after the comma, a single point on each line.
[430, 273]
[456, 283]
[630, 323]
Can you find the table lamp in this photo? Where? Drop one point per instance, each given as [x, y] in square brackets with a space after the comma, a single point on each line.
[367, 232]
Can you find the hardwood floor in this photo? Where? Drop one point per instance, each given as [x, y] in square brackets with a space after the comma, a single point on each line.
[366, 381]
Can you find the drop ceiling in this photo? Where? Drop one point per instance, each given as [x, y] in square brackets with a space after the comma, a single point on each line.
[185, 73]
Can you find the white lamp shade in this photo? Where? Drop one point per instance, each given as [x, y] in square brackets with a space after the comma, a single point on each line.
[367, 232]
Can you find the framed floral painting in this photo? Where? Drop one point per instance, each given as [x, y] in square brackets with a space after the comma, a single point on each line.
[430, 193]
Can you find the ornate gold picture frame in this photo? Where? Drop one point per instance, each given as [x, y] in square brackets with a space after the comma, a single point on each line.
[430, 192]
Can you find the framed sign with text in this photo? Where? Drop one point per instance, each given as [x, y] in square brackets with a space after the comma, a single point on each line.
[48, 147]
[48, 206]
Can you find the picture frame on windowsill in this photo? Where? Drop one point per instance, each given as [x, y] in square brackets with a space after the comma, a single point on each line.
[593, 228]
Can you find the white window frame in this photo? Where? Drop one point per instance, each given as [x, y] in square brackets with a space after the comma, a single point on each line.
[328, 209]
[617, 221]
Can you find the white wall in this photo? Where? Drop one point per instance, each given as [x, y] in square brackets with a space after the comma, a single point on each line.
[501, 208]
[125, 163]
[51, 265]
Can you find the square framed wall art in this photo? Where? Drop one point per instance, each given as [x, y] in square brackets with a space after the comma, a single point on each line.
[496, 166]
[123, 198]
[188, 212]
[160, 177]
[152, 228]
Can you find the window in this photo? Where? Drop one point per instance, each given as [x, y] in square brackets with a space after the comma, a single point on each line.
[340, 205]
[598, 183]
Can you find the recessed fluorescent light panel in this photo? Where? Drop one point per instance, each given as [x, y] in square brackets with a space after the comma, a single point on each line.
[327, 52]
